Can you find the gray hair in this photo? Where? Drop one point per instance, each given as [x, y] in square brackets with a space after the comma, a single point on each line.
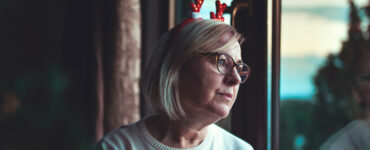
[173, 50]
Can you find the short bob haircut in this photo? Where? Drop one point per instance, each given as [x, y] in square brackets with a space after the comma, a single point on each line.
[175, 48]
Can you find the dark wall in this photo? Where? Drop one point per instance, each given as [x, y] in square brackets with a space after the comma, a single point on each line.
[154, 24]
[45, 57]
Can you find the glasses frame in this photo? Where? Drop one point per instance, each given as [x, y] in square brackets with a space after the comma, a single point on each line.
[218, 54]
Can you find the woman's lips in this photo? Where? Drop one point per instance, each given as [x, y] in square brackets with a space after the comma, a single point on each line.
[227, 96]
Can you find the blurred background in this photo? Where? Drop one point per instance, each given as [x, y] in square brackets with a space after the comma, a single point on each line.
[70, 69]
[315, 98]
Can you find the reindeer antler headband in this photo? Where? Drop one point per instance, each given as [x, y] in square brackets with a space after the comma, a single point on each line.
[195, 8]
[220, 8]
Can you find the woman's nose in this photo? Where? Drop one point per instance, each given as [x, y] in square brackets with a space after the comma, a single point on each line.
[232, 78]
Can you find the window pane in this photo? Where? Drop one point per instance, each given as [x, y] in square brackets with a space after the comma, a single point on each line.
[313, 33]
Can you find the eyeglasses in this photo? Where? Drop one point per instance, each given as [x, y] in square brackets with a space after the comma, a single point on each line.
[226, 64]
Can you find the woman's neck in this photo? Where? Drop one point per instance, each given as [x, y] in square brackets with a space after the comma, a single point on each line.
[181, 133]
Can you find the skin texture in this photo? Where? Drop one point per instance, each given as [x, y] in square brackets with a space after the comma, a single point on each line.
[204, 90]
[206, 95]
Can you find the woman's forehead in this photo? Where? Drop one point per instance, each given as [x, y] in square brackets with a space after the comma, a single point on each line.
[225, 39]
[234, 51]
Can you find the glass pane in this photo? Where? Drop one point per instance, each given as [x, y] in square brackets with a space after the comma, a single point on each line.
[316, 50]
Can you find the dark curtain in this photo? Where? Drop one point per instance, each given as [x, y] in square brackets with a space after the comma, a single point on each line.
[117, 52]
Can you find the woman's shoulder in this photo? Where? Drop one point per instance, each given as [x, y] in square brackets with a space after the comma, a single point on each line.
[121, 138]
[228, 139]
[120, 133]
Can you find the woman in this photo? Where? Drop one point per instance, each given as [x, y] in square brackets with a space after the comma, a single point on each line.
[192, 81]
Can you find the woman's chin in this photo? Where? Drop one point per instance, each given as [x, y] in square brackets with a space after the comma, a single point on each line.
[223, 111]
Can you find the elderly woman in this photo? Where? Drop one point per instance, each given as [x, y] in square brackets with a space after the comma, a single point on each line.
[192, 81]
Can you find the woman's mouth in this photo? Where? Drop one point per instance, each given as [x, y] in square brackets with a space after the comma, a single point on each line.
[227, 96]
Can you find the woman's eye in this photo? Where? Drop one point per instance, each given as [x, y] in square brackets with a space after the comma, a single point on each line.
[222, 62]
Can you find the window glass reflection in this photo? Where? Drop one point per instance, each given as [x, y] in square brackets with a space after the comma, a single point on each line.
[325, 57]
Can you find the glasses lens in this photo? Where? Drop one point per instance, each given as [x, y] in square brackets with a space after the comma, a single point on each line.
[243, 71]
[225, 64]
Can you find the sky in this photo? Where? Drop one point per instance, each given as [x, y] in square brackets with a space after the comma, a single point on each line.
[321, 23]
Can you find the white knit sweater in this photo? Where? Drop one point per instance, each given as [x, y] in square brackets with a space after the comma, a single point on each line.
[137, 137]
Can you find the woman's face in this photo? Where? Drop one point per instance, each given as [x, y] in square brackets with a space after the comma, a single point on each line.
[204, 91]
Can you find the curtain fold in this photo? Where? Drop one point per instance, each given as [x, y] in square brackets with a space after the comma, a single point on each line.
[117, 49]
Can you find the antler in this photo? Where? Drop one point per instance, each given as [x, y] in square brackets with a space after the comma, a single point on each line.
[219, 11]
[197, 5]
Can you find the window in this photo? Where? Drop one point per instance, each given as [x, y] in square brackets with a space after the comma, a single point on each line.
[312, 36]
